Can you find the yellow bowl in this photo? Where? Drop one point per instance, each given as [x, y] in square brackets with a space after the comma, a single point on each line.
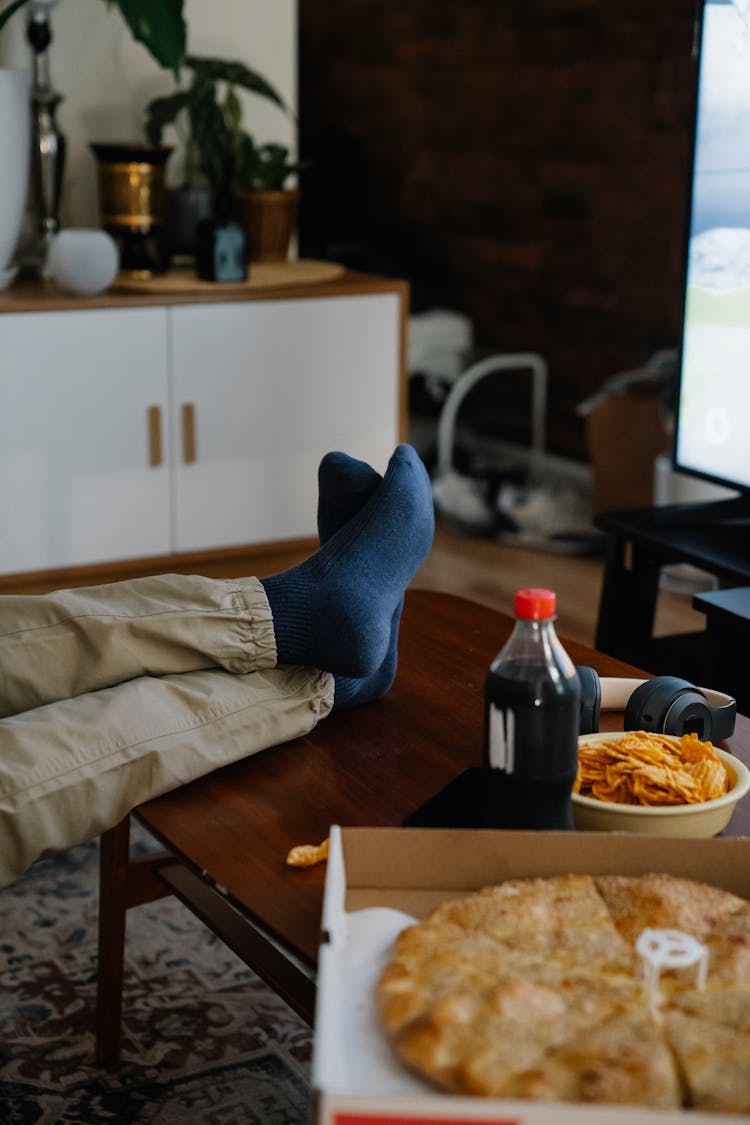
[704, 819]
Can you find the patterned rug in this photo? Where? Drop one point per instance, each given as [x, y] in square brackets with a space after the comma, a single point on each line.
[204, 1040]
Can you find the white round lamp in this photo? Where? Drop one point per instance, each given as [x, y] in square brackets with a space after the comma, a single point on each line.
[83, 261]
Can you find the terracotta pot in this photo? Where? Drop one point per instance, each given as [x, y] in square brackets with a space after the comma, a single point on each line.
[269, 219]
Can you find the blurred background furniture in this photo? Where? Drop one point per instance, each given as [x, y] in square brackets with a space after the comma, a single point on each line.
[639, 544]
[728, 639]
[155, 426]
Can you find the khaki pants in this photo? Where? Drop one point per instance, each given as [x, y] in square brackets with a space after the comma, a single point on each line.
[115, 694]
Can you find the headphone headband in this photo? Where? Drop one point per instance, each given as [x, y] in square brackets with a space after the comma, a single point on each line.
[664, 704]
[616, 692]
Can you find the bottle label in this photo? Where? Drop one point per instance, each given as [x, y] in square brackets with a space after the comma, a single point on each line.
[502, 738]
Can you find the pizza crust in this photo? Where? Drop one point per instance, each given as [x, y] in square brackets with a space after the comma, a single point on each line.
[623, 1061]
[531, 989]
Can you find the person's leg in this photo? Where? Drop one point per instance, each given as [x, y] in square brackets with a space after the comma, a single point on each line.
[345, 484]
[73, 769]
[63, 644]
[336, 609]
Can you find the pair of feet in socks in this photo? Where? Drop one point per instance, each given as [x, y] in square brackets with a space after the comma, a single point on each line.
[340, 609]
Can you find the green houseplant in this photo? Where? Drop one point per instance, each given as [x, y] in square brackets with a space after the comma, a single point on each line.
[264, 167]
[221, 158]
[215, 145]
[265, 207]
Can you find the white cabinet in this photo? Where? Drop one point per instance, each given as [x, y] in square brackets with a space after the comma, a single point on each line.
[75, 480]
[271, 387]
[149, 431]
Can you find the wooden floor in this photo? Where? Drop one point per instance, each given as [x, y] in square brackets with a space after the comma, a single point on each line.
[490, 573]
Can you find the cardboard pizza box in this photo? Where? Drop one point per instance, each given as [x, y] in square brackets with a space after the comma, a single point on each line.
[378, 876]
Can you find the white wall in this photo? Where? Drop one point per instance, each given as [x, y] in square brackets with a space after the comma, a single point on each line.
[107, 79]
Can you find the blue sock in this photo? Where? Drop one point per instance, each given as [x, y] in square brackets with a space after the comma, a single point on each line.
[335, 610]
[344, 485]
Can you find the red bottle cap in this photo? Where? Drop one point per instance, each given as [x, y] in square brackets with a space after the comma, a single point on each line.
[535, 605]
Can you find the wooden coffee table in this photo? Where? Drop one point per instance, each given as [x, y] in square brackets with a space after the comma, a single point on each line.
[226, 836]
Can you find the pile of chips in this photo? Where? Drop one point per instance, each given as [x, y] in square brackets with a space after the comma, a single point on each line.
[650, 769]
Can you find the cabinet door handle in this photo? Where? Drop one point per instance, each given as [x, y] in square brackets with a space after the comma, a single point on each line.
[189, 447]
[155, 454]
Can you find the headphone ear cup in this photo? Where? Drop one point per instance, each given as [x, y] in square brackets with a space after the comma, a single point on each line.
[591, 699]
[649, 705]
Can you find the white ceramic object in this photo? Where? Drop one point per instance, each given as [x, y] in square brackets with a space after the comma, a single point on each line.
[83, 261]
[705, 819]
[15, 147]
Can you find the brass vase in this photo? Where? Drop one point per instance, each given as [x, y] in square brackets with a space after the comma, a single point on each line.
[132, 203]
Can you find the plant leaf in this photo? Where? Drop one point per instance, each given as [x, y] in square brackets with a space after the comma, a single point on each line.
[263, 167]
[210, 133]
[163, 111]
[160, 27]
[232, 110]
[236, 74]
[244, 162]
[10, 10]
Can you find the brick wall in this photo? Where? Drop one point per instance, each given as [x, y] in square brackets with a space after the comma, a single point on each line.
[525, 161]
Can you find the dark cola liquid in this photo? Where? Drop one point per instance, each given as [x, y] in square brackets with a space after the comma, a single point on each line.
[535, 738]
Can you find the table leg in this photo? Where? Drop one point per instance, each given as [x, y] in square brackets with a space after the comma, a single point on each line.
[113, 905]
[122, 884]
[628, 602]
[726, 649]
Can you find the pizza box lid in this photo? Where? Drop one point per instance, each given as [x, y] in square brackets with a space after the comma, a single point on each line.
[379, 879]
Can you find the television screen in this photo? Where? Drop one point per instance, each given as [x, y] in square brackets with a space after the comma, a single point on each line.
[712, 437]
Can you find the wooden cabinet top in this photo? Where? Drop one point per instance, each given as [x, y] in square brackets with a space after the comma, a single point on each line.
[267, 282]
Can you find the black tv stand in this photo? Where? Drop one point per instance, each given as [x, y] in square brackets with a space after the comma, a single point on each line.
[711, 513]
[639, 544]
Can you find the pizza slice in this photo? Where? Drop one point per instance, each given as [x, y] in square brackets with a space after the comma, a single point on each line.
[623, 1061]
[709, 1033]
[562, 916]
[430, 963]
[470, 1043]
[728, 948]
[657, 901]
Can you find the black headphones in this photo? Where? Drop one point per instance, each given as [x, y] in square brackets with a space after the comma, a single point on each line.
[665, 704]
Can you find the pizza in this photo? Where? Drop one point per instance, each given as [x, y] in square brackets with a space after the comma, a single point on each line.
[535, 989]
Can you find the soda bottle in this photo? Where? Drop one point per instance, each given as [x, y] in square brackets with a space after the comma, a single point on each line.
[532, 717]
